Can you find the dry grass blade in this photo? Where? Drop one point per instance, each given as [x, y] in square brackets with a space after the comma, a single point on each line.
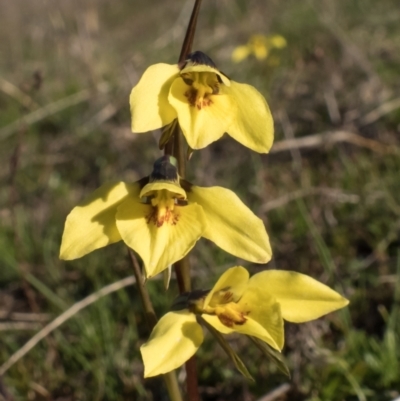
[17, 326]
[329, 138]
[380, 111]
[277, 393]
[57, 322]
[301, 193]
[27, 317]
[17, 94]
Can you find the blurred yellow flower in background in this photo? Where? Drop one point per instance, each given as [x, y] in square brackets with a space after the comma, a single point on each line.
[259, 46]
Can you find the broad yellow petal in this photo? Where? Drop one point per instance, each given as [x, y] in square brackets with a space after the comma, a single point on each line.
[235, 278]
[159, 246]
[174, 339]
[149, 98]
[91, 224]
[253, 125]
[231, 224]
[301, 297]
[204, 126]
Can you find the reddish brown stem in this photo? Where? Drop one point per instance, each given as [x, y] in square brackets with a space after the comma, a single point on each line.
[191, 380]
[175, 147]
[191, 29]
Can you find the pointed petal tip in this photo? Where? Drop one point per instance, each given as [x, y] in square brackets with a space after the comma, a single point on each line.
[62, 256]
[265, 258]
[67, 254]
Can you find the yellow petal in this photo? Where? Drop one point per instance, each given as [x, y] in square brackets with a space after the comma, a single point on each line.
[235, 278]
[204, 126]
[260, 51]
[174, 340]
[149, 98]
[175, 189]
[216, 323]
[278, 41]
[253, 126]
[240, 53]
[301, 297]
[159, 246]
[206, 68]
[231, 224]
[91, 224]
[264, 320]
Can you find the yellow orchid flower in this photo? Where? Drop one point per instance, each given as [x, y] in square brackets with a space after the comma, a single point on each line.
[253, 306]
[206, 103]
[161, 217]
[258, 45]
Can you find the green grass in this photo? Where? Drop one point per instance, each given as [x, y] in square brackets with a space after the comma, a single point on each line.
[344, 229]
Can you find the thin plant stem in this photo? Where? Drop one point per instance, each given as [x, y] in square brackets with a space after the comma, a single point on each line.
[175, 147]
[170, 379]
[182, 267]
[179, 152]
[190, 31]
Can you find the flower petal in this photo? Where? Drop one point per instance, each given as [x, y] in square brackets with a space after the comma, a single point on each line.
[240, 53]
[91, 224]
[264, 320]
[253, 126]
[159, 246]
[204, 126]
[160, 185]
[231, 224]
[206, 68]
[235, 278]
[174, 339]
[149, 98]
[301, 297]
[216, 323]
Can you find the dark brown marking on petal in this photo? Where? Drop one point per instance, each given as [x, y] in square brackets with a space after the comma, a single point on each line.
[203, 103]
[191, 96]
[227, 297]
[169, 216]
[229, 322]
[187, 79]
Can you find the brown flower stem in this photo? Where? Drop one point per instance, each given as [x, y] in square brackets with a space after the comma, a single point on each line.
[182, 268]
[175, 147]
[170, 379]
[179, 152]
[182, 271]
[190, 31]
[151, 317]
[191, 380]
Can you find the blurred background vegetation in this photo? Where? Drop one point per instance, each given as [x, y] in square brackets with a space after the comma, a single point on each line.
[329, 192]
